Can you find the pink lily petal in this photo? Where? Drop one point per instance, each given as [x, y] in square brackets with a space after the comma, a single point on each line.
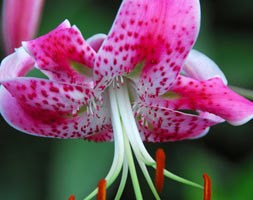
[200, 67]
[158, 32]
[37, 121]
[16, 64]
[162, 125]
[63, 54]
[20, 21]
[49, 108]
[96, 41]
[211, 96]
[105, 135]
[40, 121]
[49, 95]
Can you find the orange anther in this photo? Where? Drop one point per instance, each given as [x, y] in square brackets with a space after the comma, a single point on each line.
[72, 197]
[101, 190]
[207, 187]
[160, 164]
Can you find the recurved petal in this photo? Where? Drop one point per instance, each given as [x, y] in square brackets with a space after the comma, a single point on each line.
[37, 121]
[49, 95]
[161, 125]
[105, 134]
[16, 64]
[40, 121]
[63, 54]
[155, 35]
[213, 96]
[200, 67]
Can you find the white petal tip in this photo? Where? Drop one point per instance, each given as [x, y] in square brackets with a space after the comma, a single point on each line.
[97, 36]
[202, 134]
[241, 122]
[66, 23]
[201, 67]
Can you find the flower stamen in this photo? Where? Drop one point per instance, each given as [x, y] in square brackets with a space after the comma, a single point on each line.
[121, 80]
[89, 108]
[160, 164]
[207, 187]
[117, 82]
[72, 197]
[101, 190]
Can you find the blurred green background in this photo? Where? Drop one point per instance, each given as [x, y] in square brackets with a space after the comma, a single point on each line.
[33, 168]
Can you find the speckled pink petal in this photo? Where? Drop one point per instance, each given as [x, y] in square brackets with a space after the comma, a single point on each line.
[63, 55]
[159, 33]
[214, 97]
[42, 122]
[16, 64]
[105, 134]
[161, 125]
[37, 121]
[96, 41]
[49, 95]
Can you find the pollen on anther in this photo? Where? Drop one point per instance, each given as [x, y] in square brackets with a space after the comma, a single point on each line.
[101, 190]
[72, 197]
[207, 187]
[160, 165]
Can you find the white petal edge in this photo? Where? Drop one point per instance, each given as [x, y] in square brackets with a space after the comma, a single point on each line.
[96, 41]
[202, 134]
[16, 64]
[197, 65]
[241, 122]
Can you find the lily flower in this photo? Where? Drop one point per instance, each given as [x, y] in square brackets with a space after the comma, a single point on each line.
[140, 83]
[20, 21]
